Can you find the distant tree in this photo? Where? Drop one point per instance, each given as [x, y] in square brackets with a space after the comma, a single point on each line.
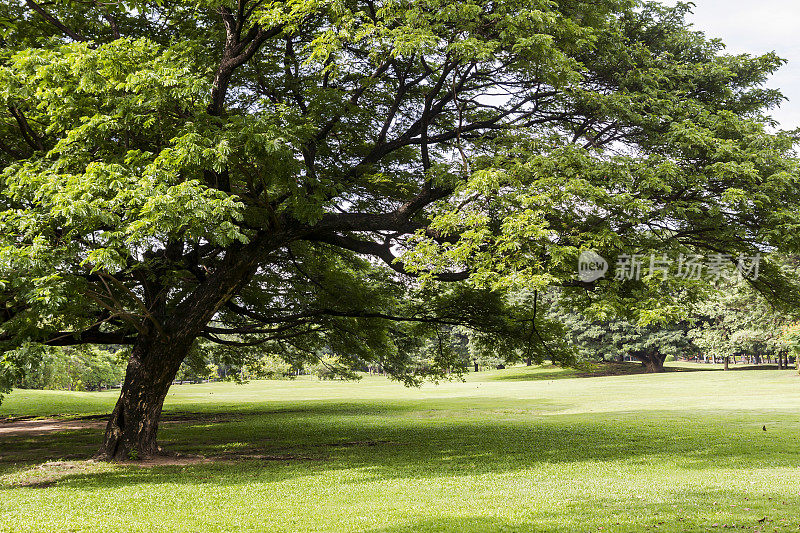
[348, 176]
[197, 368]
[737, 321]
[791, 339]
[616, 340]
[268, 366]
[74, 368]
[98, 369]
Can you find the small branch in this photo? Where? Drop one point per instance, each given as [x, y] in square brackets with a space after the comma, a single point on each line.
[136, 300]
[459, 106]
[112, 23]
[75, 338]
[327, 128]
[118, 310]
[258, 342]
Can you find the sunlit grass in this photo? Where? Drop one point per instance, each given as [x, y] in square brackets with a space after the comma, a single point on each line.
[522, 449]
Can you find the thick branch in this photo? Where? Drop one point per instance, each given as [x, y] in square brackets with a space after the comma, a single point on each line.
[384, 253]
[236, 53]
[75, 338]
[55, 22]
[30, 136]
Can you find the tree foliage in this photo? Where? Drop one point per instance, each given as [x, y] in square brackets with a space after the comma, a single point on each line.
[274, 173]
[737, 321]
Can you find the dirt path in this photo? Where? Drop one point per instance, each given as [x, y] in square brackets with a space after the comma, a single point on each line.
[44, 426]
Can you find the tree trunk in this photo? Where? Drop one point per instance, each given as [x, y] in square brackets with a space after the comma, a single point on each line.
[167, 335]
[654, 365]
[131, 431]
[727, 362]
[652, 361]
[161, 348]
[476, 366]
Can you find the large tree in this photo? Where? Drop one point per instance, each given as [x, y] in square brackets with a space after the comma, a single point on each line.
[617, 339]
[273, 172]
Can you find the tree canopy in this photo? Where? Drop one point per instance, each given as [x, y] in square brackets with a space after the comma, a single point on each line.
[353, 174]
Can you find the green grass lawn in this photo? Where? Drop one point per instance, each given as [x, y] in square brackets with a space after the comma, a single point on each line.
[522, 449]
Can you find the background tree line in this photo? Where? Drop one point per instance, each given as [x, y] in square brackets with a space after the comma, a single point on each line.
[736, 325]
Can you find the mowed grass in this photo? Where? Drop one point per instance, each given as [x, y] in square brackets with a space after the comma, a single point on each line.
[522, 449]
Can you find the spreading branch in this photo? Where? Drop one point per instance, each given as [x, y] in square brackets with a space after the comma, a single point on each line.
[75, 36]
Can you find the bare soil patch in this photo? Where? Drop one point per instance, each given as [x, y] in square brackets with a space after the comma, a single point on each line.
[44, 426]
[25, 426]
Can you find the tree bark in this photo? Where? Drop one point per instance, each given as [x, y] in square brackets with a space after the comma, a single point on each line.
[727, 362]
[159, 351]
[133, 426]
[654, 366]
[653, 362]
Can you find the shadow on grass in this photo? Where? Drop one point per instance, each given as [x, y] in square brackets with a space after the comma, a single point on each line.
[607, 369]
[756, 367]
[405, 441]
[591, 370]
[535, 376]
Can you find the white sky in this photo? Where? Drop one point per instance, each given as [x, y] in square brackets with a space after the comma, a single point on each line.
[757, 27]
